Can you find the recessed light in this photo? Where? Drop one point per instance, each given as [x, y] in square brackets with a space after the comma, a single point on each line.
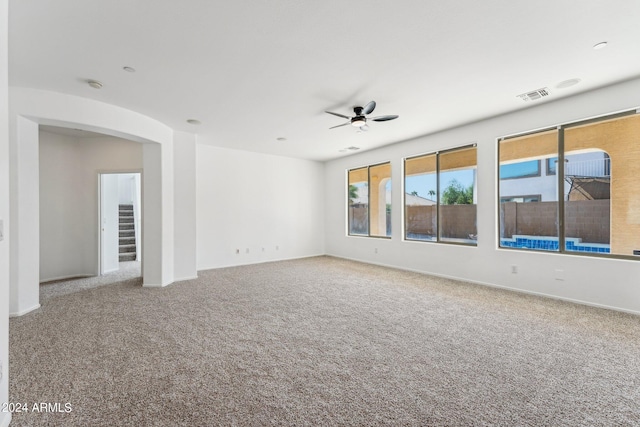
[600, 45]
[129, 69]
[568, 83]
[282, 138]
[194, 122]
[94, 84]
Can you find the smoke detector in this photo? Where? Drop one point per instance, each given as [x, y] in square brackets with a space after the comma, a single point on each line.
[535, 94]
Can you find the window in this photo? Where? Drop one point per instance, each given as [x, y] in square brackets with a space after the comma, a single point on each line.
[523, 169]
[520, 199]
[359, 202]
[552, 165]
[525, 223]
[592, 170]
[369, 201]
[599, 211]
[420, 187]
[440, 196]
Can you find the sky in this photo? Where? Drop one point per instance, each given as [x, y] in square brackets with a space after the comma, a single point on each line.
[423, 183]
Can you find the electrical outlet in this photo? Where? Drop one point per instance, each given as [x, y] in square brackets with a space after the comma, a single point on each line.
[237, 251]
[277, 248]
[247, 250]
[514, 269]
[375, 250]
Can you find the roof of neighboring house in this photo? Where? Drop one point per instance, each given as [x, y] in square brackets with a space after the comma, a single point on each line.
[590, 188]
[410, 200]
[413, 200]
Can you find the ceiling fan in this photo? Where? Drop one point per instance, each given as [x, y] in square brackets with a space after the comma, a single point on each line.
[360, 118]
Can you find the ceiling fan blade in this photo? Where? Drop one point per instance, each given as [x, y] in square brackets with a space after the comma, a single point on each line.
[368, 109]
[339, 115]
[383, 118]
[344, 124]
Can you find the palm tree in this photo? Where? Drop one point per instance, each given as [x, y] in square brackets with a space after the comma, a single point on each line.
[353, 193]
[431, 193]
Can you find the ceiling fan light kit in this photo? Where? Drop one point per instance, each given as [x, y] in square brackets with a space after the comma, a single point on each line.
[360, 118]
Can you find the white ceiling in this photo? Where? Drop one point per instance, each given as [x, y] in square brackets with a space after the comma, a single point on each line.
[253, 71]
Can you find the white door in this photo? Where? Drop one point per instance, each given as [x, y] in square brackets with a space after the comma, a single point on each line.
[109, 227]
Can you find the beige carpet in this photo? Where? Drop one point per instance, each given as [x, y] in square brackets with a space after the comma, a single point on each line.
[323, 341]
[127, 270]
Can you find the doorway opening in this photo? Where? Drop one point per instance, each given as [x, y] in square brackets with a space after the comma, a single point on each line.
[120, 222]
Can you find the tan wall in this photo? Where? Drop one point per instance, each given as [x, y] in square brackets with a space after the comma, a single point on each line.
[456, 221]
[420, 165]
[358, 175]
[458, 159]
[529, 147]
[452, 160]
[537, 218]
[588, 220]
[358, 220]
[421, 219]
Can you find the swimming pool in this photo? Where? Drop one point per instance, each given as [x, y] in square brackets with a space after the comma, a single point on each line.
[548, 243]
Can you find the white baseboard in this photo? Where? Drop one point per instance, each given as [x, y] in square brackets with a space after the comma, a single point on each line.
[214, 267]
[154, 285]
[182, 279]
[73, 276]
[5, 419]
[23, 312]
[493, 285]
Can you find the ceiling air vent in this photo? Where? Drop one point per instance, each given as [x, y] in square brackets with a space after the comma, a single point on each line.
[534, 95]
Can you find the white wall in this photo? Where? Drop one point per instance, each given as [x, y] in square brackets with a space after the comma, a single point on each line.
[4, 215]
[253, 201]
[544, 185]
[32, 107]
[69, 168]
[126, 188]
[152, 202]
[184, 209]
[25, 226]
[611, 283]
